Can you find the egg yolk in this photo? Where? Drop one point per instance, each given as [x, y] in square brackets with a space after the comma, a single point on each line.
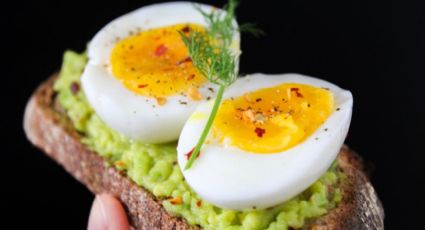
[272, 120]
[156, 62]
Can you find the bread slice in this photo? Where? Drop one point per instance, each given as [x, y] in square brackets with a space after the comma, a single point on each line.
[48, 128]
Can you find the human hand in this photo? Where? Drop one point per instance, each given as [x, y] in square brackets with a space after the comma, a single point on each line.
[107, 213]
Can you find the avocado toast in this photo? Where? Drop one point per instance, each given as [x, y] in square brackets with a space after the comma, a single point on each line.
[54, 127]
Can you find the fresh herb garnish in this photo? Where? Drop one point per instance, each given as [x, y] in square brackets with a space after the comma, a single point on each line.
[211, 54]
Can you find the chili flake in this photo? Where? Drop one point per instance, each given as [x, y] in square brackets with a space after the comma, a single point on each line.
[199, 203]
[161, 100]
[189, 154]
[188, 59]
[176, 200]
[192, 76]
[194, 94]
[75, 87]
[186, 29]
[142, 86]
[160, 50]
[119, 163]
[259, 131]
[248, 115]
[296, 90]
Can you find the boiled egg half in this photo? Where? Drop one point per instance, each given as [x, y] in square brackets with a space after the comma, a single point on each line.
[273, 136]
[140, 79]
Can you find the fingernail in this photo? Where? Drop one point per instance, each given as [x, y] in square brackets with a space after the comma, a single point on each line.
[97, 218]
[107, 213]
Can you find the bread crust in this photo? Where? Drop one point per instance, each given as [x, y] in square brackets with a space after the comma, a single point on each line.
[50, 130]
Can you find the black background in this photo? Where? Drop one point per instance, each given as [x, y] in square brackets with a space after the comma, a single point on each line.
[376, 49]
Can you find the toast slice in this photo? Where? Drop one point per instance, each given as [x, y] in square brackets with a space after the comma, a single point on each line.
[48, 128]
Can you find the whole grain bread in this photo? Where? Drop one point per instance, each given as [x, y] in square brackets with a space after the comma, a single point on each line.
[48, 128]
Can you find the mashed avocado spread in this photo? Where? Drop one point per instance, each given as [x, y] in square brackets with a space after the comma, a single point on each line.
[154, 168]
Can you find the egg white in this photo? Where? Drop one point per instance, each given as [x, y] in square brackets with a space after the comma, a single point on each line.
[232, 178]
[136, 116]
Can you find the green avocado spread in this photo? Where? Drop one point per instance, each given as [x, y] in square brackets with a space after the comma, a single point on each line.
[154, 168]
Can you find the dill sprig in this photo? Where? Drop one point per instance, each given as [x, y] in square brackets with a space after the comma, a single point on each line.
[214, 61]
[211, 54]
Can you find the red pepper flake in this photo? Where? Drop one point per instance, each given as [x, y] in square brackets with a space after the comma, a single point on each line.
[258, 100]
[160, 50]
[142, 86]
[296, 90]
[259, 131]
[176, 200]
[189, 154]
[188, 59]
[161, 100]
[194, 94]
[75, 87]
[119, 163]
[186, 29]
[199, 203]
[192, 76]
[248, 115]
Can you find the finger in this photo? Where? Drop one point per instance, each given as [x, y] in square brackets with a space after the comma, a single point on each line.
[107, 213]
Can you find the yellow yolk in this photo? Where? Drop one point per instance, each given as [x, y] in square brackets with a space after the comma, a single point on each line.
[156, 62]
[273, 119]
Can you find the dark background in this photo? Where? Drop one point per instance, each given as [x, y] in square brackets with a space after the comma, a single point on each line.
[376, 49]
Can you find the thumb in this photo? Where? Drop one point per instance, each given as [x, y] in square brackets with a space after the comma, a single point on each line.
[107, 213]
